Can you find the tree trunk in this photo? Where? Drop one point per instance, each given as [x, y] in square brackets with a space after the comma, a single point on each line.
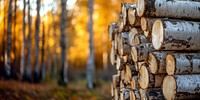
[181, 87]
[63, 40]
[157, 63]
[149, 80]
[140, 39]
[22, 60]
[43, 66]
[112, 30]
[90, 63]
[55, 45]
[37, 30]
[28, 69]
[176, 35]
[8, 60]
[146, 25]
[133, 18]
[140, 52]
[183, 63]
[173, 9]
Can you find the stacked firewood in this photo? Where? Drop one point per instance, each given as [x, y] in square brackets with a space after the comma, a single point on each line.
[155, 49]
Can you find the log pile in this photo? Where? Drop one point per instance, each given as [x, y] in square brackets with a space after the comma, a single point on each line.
[155, 49]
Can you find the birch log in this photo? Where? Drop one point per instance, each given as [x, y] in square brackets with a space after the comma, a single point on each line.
[123, 47]
[116, 80]
[181, 87]
[120, 64]
[147, 80]
[120, 23]
[112, 91]
[131, 36]
[176, 35]
[112, 30]
[157, 63]
[134, 82]
[135, 95]
[146, 25]
[133, 18]
[152, 94]
[169, 8]
[113, 56]
[125, 7]
[140, 52]
[115, 43]
[138, 65]
[183, 63]
[140, 39]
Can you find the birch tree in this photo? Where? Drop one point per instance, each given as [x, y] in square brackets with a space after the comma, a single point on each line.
[90, 62]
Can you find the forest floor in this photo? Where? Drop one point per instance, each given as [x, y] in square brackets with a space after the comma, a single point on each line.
[15, 90]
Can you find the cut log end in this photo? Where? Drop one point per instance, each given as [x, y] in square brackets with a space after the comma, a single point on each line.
[170, 65]
[157, 34]
[136, 40]
[143, 77]
[144, 24]
[131, 16]
[140, 7]
[134, 53]
[169, 87]
[153, 64]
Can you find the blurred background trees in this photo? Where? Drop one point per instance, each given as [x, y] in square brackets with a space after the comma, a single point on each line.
[40, 38]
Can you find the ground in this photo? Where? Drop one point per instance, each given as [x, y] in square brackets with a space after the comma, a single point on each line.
[15, 90]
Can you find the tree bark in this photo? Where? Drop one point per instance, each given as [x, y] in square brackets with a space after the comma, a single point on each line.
[63, 40]
[37, 31]
[183, 63]
[140, 52]
[152, 94]
[140, 39]
[173, 9]
[43, 65]
[156, 60]
[147, 80]
[90, 62]
[28, 69]
[175, 35]
[181, 87]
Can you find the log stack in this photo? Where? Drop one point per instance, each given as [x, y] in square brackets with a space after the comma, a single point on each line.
[155, 49]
